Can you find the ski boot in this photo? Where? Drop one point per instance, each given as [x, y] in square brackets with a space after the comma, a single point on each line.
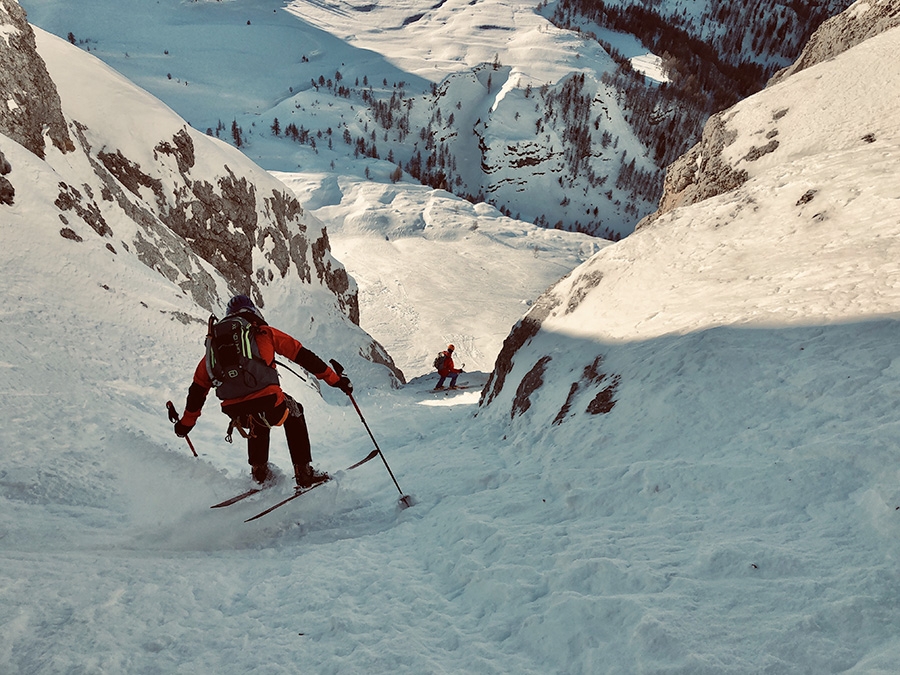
[262, 474]
[307, 476]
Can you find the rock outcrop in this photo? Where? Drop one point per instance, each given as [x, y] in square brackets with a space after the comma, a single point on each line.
[31, 100]
[701, 172]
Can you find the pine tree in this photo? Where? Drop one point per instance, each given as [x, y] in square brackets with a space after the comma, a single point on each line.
[236, 134]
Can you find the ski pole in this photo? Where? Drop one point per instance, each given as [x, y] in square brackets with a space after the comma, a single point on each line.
[287, 367]
[404, 499]
[173, 418]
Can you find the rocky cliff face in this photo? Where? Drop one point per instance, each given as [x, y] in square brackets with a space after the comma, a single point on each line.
[246, 232]
[32, 102]
[701, 172]
[224, 221]
[704, 172]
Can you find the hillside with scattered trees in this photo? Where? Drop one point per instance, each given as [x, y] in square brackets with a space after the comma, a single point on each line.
[713, 58]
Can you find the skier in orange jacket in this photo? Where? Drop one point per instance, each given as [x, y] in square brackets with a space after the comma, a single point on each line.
[448, 369]
[257, 403]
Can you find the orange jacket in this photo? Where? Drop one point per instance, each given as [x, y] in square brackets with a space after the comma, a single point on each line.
[269, 341]
[447, 367]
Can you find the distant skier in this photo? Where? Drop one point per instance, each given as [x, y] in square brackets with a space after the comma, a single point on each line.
[240, 364]
[446, 368]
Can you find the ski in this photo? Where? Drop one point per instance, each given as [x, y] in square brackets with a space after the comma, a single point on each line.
[449, 389]
[297, 493]
[249, 493]
[303, 491]
[371, 455]
[236, 498]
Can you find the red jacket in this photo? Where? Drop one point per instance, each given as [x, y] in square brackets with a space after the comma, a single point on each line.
[269, 341]
[447, 367]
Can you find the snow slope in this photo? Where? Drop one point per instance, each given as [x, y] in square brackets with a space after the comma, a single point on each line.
[735, 511]
[718, 396]
[434, 269]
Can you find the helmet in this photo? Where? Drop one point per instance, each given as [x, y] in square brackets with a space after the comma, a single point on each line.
[240, 304]
[450, 348]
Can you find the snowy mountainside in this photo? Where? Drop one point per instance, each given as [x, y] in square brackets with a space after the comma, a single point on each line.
[517, 116]
[480, 99]
[719, 496]
[725, 381]
[732, 150]
[135, 178]
[804, 240]
[474, 99]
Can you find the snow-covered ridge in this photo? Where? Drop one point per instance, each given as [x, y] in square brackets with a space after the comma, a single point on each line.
[779, 127]
[791, 245]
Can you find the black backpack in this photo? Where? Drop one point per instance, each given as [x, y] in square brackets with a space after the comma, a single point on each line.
[232, 358]
[439, 360]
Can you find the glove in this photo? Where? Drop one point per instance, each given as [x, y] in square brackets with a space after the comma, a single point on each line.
[182, 430]
[344, 385]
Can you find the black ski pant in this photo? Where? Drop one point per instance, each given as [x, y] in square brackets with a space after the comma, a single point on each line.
[257, 418]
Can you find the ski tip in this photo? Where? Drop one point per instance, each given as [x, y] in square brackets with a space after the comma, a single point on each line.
[237, 498]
